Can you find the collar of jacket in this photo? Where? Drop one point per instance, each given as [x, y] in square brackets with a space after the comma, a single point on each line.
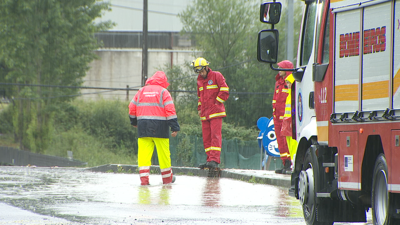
[278, 77]
[200, 77]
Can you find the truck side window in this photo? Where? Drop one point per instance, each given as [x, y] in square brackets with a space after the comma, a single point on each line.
[325, 53]
[308, 33]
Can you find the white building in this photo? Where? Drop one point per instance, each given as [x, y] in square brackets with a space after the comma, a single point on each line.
[120, 62]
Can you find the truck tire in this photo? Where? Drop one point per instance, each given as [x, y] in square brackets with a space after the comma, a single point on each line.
[308, 179]
[381, 211]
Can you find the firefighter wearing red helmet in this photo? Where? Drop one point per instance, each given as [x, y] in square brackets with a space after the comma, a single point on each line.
[278, 112]
[212, 92]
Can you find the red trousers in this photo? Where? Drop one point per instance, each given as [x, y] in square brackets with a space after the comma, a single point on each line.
[282, 143]
[212, 138]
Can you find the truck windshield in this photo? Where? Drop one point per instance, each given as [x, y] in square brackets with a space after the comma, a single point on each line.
[308, 32]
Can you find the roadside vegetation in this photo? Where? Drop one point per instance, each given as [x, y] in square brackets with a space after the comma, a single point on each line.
[99, 132]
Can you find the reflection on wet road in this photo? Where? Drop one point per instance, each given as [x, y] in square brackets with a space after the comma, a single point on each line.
[211, 192]
[81, 196]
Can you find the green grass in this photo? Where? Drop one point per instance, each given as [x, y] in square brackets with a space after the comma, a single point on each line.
[86, 148]
[90, 131]
[8, 140]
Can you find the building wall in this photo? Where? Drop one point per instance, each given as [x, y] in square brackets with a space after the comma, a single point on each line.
[117, 68]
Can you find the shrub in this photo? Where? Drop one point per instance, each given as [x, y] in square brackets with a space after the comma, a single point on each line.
[109, 121]
[6, 119]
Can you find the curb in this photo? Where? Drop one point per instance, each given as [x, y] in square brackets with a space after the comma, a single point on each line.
[253, 176]
[282, 180]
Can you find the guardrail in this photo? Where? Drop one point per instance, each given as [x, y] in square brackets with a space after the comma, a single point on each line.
[15, 157]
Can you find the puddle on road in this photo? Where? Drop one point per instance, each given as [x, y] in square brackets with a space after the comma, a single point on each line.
[81, 196]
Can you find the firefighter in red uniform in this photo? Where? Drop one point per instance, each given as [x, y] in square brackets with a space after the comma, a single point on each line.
[212, 92]
[152, 111]
[278, 112]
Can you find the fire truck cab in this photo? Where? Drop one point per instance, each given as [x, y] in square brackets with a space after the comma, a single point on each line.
[346, 110]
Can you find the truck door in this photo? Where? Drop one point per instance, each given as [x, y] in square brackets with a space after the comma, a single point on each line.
[305, 114]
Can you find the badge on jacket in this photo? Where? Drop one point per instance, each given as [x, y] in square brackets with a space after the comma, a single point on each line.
[210, 82]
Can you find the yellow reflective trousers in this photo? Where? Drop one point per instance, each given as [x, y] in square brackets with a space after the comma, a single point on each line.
[292, 146]
[145, 152]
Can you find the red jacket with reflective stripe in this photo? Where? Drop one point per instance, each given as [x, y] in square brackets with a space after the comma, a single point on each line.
[279, 99]
[152, 108]
[212, 93]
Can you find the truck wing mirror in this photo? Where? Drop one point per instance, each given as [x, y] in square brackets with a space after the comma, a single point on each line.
[267, 46]
[270, 12]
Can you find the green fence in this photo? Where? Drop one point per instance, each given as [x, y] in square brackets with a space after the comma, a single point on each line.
[189, 151]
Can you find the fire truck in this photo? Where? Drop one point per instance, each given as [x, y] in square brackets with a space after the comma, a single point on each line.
[345, 108]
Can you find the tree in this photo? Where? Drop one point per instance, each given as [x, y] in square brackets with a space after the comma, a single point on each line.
[226, 34]
[183, 90]
[45, 43]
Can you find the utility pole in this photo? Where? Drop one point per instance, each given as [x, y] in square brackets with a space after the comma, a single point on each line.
[290, 38]
[144, 44]
[127, 92]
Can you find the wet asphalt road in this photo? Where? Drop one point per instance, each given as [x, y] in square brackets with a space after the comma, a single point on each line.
[78, 196]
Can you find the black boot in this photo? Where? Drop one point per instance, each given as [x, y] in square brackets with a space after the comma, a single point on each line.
[212, 165]
[173, 179]
[203, 165]
[287, 168]
[280, 171]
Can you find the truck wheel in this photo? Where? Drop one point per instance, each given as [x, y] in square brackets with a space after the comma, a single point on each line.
[380, 196]
[308, 177]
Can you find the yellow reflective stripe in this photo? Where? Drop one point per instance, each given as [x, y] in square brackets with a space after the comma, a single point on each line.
[220, 100]
[213, 149]
[288, 105]
[322, 132]
[277, 91]
[396, 81]
[285, 90]
[273, 101]
[212, 86]
[288, 112]
[284, 154]
[281, 117]
[198, 103]
[202, 118]
[224, 89]
[346, 92]
[217, 114]
[200, 88]
[373, 90]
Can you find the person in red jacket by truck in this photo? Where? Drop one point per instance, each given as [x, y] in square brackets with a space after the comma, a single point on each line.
[212, 92]
[278, 112]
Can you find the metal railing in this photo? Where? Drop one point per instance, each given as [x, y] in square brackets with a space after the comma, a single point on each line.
[15, 157]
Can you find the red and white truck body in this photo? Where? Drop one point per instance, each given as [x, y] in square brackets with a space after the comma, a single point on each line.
[366, 78]
[346, 110]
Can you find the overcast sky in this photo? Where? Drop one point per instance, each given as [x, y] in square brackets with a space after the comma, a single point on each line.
[162, 14]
